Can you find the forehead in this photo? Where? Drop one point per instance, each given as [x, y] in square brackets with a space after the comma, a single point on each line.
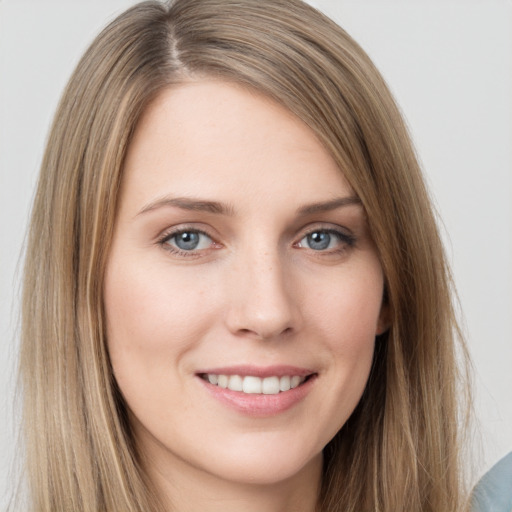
[215, 138]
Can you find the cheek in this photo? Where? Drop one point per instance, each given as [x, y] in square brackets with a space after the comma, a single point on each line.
[350, 320]
[152, 319]
[348, 308]
[345, 315]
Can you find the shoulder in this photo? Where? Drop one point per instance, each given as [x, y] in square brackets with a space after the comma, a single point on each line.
[493, 493]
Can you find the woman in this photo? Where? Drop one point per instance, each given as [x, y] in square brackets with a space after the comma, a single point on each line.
[235, 293]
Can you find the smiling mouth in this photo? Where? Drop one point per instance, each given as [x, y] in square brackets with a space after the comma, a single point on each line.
[251, 384]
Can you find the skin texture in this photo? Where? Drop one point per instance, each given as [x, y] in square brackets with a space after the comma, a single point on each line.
[254, 291]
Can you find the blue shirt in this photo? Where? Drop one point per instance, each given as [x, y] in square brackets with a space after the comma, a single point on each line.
[493, 493]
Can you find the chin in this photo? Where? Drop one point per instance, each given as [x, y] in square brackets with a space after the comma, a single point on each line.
[267, 473]
[265, 464]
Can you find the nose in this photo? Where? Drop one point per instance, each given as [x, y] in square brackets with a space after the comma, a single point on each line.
[262, 302]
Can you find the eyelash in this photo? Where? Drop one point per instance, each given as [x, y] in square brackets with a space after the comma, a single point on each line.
[347, 241]
[166, 237]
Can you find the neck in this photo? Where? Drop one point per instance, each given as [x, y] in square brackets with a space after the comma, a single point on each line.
[189, 489]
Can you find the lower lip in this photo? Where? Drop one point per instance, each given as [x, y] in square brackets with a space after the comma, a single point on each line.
[260, 405]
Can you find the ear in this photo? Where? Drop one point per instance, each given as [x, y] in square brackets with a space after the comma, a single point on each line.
[384, 320]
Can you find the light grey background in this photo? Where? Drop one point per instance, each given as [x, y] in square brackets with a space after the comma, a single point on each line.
[448, 62]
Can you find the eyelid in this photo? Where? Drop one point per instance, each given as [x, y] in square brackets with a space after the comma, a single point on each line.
[346, 237]
[176, 230]
[326, 227]
[169, 233]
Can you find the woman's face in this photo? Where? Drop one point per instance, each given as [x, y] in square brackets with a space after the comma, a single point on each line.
[243, 292]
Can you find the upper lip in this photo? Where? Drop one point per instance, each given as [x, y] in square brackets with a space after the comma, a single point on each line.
[259, 371]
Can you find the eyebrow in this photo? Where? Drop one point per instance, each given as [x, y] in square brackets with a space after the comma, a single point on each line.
[215, 207]
[191, 204]
[327, 206]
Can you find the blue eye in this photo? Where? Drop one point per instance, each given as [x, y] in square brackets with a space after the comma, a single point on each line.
[319, 240]
[188, 240]
[324, 239]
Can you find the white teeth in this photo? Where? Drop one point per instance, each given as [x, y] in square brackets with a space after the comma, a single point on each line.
[236, 383]
[252, 385]
[270, 385]
[294, 381]
[284, 383]
[255, 385]
[223, 381]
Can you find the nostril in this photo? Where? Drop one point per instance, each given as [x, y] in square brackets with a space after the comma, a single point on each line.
[263, 334]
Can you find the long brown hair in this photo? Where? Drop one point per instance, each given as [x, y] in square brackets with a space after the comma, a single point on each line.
[399, 451]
